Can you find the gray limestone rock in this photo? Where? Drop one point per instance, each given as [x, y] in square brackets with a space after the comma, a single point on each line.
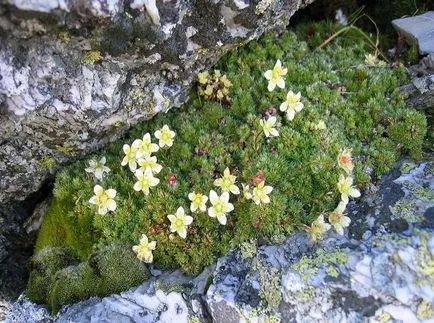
[418, 30]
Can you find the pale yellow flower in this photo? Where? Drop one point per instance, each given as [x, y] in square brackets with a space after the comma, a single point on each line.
[97, 168]
[179, 222]
[268, 126]
[275, 76]
[260, 193]
[320, 125]
[227, 182]
[246, 191]
[145, 180]
[220, 206]
[144, 249]
[198, 201]
[104, 199]
[318, 228]
[144, 147]
[346, 188]
[130, 157]
[150, 162]
[374, 61]
[292, 105]
[345, 160]
[338, 220]
[165, 136]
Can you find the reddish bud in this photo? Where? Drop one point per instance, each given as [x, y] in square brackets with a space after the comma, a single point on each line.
[171, 179]
[258, 178]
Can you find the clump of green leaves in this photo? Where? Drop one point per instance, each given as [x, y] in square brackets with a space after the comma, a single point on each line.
[356, 106]
[214, 87]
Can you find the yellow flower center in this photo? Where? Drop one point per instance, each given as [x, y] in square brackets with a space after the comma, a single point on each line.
[197, 200]
[227, 183]
[178, 223]
[165, 136]
[219, 207]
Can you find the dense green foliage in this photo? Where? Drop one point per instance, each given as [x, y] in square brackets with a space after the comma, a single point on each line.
[360, 105]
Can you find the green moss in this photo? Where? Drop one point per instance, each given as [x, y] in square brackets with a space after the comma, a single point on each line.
[409, 129]
[309, 266]
[56, 279]
[44, 266]
[369, 116]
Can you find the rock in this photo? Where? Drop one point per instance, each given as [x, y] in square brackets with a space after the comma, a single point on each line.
[77, 74]
[170, 297]
[386, 276]
[418, 30]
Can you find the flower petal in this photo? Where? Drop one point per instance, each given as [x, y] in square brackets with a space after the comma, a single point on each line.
[98, 189]
[224, 197]
[137, 186]
[111, 205]
[290, 114]
[211, 212]
[222, 219]
[213, 197]
[111, 193]
[354, 192]
[183, 233]
[188, 220]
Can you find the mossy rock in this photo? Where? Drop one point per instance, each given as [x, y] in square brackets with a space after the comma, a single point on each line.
[43, 267]
[55, 281]
[360, 105]
[117, 269]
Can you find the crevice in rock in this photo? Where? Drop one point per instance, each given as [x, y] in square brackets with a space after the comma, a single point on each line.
[16, 245]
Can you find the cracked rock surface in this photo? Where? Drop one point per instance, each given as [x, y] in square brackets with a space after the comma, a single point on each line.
[380, 271]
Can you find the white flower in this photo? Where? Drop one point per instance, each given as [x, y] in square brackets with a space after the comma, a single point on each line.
[104, 199]
[130, 157]
[260, 193]
[320, 125]
[292, 105]
[165, 136]
[373, 60]
[220, 206]
[97, 168]
[338, 220]
[246, 191]
[227, 182]
[275, 76]
[268, 126]
[198, 201]
[345, 160]
[150, 162]
[318, 228]
[144, 147]
[145, 180]
[144, 249]
[180, 222]
[346, 188]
